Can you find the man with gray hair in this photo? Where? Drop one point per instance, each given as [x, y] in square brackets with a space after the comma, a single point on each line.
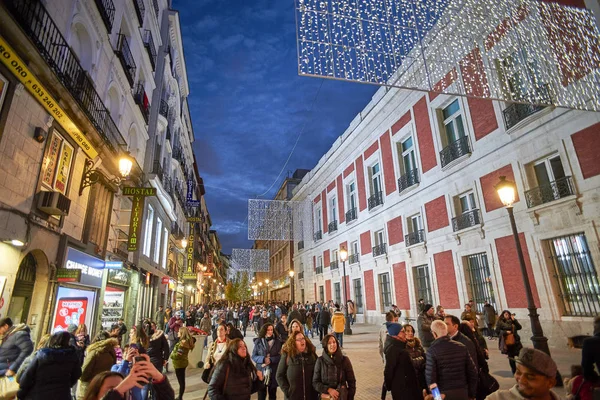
[449, 365]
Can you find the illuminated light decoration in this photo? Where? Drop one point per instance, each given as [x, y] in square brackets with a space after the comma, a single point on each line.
[279, 220]
[250, 260]
[521, 51]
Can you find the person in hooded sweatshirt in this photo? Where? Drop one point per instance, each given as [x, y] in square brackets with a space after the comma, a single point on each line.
[333, 370]
[52, 373]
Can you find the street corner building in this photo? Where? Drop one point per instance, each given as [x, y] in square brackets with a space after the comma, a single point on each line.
[98, 182]
[408, 191]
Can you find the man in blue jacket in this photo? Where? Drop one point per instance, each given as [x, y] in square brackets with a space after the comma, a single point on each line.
[16, 345]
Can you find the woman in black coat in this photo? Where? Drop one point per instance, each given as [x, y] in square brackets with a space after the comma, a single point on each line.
[266, 355]
[53, 371]
[234, 376]
[333, 370]
[158, 349]
[507, 324]
[296, 368]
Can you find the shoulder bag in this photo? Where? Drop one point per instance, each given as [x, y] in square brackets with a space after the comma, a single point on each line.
[8, 387]
[342, 388]
[206, 374]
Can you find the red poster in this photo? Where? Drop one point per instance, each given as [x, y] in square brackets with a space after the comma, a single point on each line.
[69, 311]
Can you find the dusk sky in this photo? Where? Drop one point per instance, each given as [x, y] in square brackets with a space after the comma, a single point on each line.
[249, 104]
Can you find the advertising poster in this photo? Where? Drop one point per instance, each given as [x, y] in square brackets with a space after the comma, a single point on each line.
[51, 160]
[73, 307]
[64, 166]
[112, 309]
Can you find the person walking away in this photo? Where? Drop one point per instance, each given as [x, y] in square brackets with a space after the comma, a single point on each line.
[449, 365]
[41, 344]
[216, 351]
[52, 373]
[244, 320]
[175, 323]
[487, 384]
[236, 318]
[16, 346]
[295, 314]
[309, 324]
[333, 371]
[417, 354]
[452, 323]
[158, 349]
[179, 355]
[159, 318]
[235, 376]
[590, 354]
[338, 323]
[296, 368]
[282, 329]
[424, 325]
[399, 374]
[100, 357]
[535, 376]
[206, 326]
[324, 322]
[266, 356]
[390, 317]
[489, 317]
[351, 311]
[470, 312]
[509, 341]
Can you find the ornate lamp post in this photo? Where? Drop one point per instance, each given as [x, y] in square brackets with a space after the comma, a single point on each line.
[291, 273]
[344, 257]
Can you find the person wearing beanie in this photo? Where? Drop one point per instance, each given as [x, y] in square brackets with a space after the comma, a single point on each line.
[399, 374]
[424, 325]
[535, 377]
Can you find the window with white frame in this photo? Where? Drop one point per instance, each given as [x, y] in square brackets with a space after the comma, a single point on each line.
[453, 123]
[548, 181]
[375, 179]
[157, 243]
[354, 247]
[380, 244]
[406, 155]
[318, 219]
[515, 71]
[414, 223]
[165, 247]
[352, 197]
[466, 202]
[467, 211]
[333, 209]
[148, 230]
[379, 237]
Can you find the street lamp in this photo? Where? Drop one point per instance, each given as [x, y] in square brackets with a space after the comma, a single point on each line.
[507, 192]
[344, 257]
[267, 284]
[291, 273]
[184, 243]
[91, 176]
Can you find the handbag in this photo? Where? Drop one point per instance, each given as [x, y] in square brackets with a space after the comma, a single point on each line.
[487, 384]
[342, 389]
[510, 340]
[8, 387]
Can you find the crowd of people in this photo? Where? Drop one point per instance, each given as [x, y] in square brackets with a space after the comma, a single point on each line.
[444, 350]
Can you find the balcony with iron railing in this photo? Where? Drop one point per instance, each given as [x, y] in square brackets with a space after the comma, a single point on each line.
[466, 220]
[157, 169]
[332, 227]
[149, 45]
[351, 215]
[517, 112]
[178, 154]
[37, 24]
[123, 52]
[141, 100]
[300, 275]
[415, 237]
[319, 270]
[318, 235]
[164, 109]
[106, 8]
[334, 264]
[552, 191]
[380, 250]
[167, 183]
[407, 180]
[139, 10]
[300, 245]
[353, 258]
[375, 200]
[455, 150]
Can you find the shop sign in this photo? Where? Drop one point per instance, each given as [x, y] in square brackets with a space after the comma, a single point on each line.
[68, 275]
[209, 260]
[164, 280]
[194, 219]
[139, 191]
[137, 208]
[19, 69]
[91, 268]
[209, 274]
[113, 264]
[190, 272]
[190, 202]
[119, 277]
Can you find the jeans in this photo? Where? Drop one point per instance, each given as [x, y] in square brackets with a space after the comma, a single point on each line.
[322, 331]
[340, 338]
[180, 374]
[272, 390]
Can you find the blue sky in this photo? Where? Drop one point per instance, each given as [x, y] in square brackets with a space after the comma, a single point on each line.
[248, 104]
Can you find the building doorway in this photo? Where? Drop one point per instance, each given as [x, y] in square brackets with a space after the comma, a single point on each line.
[20, 302]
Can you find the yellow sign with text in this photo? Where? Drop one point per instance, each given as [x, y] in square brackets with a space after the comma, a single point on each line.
[12, 61]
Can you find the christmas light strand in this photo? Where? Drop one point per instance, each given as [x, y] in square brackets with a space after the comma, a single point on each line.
[249, 260]
[279, 220]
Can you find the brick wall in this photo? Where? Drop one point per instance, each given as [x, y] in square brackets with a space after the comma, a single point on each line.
[340, 199]
[587, 148]
[405, 119]
[389, 174]
[371, 150]
[437, 214]
[511, 272]
[370, 290]
[360, 178]
[446, 279]
[349, 169]
[326, 259]
[314, 263]
[401, 286]
[328, 290]
[394, 229]
[365, 243]
[331, 186]
[424, 134]
[490, 196]
[325, 215]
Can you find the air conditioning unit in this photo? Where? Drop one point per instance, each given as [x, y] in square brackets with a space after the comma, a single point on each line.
[53, 203]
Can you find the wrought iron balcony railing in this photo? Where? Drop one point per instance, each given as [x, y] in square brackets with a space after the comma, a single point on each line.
[353, 258]
[415, 237]
[107, 13]
[375, 200]
[61, 59]
[300, 275]
[517, 112]
[318, 235]
[334, 264]
[455, 150]
[466, 220]
[558, 189]
[178, 153]
[319, 270]
[139, 10]
[124, 53]
[300, 245]
[351, 215]
[167, 183]
[149, 45]
[332, 226]
[141, 100]
[155, 4]
[157, 169]
[380, 250]
[164, 109]
[407, 180]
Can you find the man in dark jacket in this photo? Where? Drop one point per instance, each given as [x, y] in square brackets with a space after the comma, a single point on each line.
[15, 347]
[264, 319]
[399, 374]
[449, 365]
[424, 325]
[295, 314]
[282, 329]
[590, 354]
[452, 323]
[489, 317]
[324, 321]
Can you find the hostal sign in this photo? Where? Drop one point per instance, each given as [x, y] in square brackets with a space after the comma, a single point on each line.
[137, 209]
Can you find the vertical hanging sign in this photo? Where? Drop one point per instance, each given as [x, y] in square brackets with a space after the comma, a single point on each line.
[137, 209]
[190, 272]
[190, 202]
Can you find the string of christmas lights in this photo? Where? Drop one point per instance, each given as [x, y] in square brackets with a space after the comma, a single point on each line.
[279, 220]
[249, 260]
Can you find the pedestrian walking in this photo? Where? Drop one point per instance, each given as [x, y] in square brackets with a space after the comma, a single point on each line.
[333, 371]
[399, 374]
[100, 357]
[424, 325]
[351, 311]
[159, 318]
[452, 323]
[510, 341]
[175, 323]
[215, 352]
[590, 354]
[324, 321]
[266, 355]
[158, 349]
[206, 326]
[416, 351]
[390, 317]
[338, 323]
[179, 355]
[469, 311]
[296, 368]
[489, 317]
[282, 328]
[15, 347]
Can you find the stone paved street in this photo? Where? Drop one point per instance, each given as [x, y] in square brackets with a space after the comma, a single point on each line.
[362, 348]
